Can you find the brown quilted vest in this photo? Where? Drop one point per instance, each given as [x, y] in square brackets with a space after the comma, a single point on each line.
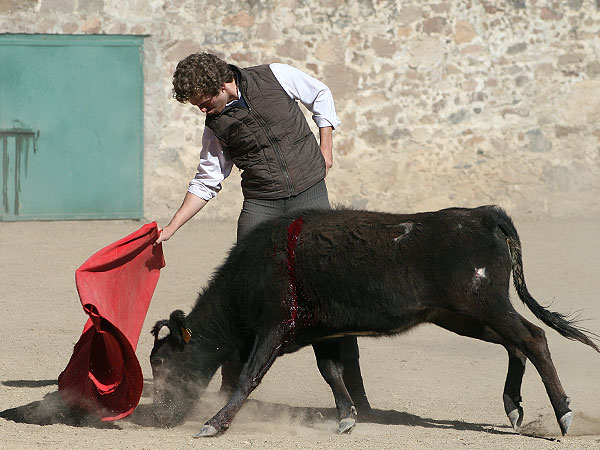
[269, 140]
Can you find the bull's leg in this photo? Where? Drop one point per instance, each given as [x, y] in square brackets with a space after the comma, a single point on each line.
[531, 340]
[512, 387]
[230, 373]
[232, 368]
[469, 327]
[353, 377]
[264, 352]
[332, 369]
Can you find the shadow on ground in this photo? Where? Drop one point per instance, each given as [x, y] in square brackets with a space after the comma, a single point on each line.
[52, 410]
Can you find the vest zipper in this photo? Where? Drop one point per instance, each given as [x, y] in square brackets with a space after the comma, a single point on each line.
[278, 153]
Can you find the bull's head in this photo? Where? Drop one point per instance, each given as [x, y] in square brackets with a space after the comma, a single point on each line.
[183, 362]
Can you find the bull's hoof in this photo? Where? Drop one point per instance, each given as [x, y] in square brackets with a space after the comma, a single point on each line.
[565, 422]
[207, 431]
[347, 424]
[513, 411]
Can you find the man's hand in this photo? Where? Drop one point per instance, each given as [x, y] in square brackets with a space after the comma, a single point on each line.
[190, 206]
[164, 234]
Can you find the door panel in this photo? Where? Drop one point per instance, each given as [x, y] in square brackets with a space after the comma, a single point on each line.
[71, 127]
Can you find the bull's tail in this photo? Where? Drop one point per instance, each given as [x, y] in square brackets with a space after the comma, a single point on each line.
[559, 322]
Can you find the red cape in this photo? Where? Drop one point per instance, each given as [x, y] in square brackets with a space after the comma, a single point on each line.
[115, 287]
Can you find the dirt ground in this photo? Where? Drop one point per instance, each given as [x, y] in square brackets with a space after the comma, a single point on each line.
[431, 389]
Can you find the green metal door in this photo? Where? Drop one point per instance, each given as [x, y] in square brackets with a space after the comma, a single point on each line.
[71, 127]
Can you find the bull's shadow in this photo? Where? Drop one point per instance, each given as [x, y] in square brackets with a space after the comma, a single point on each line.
[269, 412]
[52, 410]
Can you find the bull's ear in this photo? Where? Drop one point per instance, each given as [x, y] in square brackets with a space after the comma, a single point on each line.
[179, 331]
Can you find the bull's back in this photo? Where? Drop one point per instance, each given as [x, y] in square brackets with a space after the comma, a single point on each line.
[387, 272]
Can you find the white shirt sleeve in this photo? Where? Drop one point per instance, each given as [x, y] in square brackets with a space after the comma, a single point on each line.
[312, 93]
[215, 165]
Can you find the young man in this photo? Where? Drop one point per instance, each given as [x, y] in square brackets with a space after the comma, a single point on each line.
[253, 121]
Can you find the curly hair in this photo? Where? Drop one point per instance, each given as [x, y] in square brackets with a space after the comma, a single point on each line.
[200, 73]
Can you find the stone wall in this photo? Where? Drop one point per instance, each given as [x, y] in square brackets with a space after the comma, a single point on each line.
[442, 103]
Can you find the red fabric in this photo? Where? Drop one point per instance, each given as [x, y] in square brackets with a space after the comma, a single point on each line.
[115, 287]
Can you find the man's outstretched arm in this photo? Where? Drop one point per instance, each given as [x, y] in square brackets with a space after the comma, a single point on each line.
[188, 209]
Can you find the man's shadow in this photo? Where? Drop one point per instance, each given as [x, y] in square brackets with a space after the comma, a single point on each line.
[52, 410]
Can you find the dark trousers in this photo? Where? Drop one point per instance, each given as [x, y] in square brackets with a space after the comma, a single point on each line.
[256, 211]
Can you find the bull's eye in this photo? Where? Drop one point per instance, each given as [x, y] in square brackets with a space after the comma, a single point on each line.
[157, 362]
[163, 332]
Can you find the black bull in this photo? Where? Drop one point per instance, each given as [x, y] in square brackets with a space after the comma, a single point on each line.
[304, 279]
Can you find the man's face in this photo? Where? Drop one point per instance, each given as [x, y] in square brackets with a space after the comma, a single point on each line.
[210, 104]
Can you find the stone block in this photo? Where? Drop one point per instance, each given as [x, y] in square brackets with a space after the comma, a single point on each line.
[223, 36]
[544, 70]
[330, 51]
[293, 49]
[410, 14]
[458, 116]
[383, 47]
[580, 106]
[570, 58]
[70, 28]
[517, 4]
[538, 143]
[562, 131]
[439, 106]
[425, 53]
[92, 26]
[464, 32]
[47, 26]
[266, 31]
[8, 6]
[473, 49]
[90, 6]
[241, 19]
[139, 29]
[517, 48]
[342, 80]
[404, 32]
[593, 69]
[490, 8]
[57, 6]
[245, 58]
[435, 25]
[575, 4]
[375, 135]
[181, 49]
[549, 14]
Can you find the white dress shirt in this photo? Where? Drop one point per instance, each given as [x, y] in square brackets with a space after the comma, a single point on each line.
[215, 164]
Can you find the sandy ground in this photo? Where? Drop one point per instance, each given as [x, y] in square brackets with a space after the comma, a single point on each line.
[431, 389]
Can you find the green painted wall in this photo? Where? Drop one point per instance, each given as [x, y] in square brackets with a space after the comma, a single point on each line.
[71, 127]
